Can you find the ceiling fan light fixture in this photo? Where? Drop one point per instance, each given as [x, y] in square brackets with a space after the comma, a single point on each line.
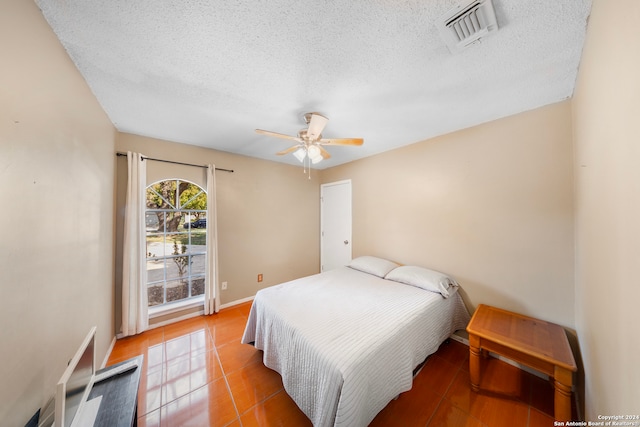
[300, 154]
[314, 154]
[309, 142]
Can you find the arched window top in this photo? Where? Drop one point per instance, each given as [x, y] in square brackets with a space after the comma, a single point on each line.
[176, 194]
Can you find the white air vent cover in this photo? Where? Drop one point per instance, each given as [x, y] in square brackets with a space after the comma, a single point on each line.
[465, 24]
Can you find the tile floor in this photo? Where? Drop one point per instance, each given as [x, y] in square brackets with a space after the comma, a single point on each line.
[196, 373]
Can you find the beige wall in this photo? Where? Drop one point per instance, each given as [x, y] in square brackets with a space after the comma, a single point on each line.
[490, 205]
[268, 213]
[606, 110]
[56, 188]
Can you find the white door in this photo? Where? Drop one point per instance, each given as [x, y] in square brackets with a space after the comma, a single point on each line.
[335, 225]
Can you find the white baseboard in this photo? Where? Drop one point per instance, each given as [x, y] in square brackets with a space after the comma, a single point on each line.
[198, 313]
[460, 339]
[236, 302]
[177, 319]
[184, 317]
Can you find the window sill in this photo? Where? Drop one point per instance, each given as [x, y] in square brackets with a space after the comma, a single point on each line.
[175, 307]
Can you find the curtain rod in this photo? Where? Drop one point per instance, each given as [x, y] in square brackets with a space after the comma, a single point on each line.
[119, 154]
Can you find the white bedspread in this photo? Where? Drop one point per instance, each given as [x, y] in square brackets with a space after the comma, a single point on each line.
[346, 342]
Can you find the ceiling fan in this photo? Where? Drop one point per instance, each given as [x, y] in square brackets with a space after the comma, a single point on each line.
[310, 141]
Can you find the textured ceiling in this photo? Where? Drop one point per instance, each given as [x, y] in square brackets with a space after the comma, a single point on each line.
[208, 72]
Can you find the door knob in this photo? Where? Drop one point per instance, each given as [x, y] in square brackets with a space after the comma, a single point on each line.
[346, 242]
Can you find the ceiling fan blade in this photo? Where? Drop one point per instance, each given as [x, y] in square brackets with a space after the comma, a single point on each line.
[342, 141]
[278, 135]
[316, 125]
[325, 154]
[288, 150]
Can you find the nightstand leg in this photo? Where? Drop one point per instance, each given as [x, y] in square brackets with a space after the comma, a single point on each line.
[474, 362]
[562, 382]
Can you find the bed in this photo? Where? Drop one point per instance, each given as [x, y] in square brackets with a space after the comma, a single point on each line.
[346, 341]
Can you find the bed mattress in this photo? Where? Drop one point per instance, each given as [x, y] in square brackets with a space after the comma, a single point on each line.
[346, 342]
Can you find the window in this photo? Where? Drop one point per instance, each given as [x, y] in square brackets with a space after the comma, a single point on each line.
[176, 230]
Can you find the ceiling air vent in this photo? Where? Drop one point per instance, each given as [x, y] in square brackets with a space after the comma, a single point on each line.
[465, 24]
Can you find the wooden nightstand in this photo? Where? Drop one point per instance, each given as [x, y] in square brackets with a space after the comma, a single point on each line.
[540, 345]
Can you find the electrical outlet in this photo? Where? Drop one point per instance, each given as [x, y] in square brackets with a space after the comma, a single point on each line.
[260, 277]
[224, 286]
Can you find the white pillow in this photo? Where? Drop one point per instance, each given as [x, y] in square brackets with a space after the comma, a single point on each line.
[424, 278]
[372, 265]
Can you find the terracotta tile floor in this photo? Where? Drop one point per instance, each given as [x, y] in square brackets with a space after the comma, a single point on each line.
[196, 373]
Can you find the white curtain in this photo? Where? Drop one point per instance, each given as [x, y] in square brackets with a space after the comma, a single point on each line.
[135, 318]
[211, 290]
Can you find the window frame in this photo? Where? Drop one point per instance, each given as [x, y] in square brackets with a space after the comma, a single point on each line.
[167, 255]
